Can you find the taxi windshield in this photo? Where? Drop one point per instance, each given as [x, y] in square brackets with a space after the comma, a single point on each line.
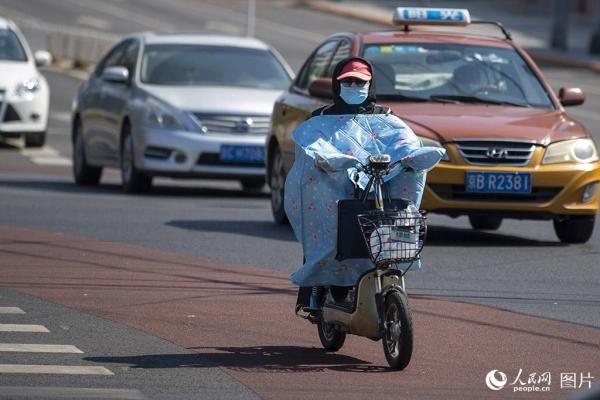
[197, 65]
[456, 73]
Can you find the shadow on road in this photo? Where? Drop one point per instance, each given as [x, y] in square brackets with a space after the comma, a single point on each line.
[447, 236]
[436, 235]
[112, 188]
[263, 229]
[251, 359]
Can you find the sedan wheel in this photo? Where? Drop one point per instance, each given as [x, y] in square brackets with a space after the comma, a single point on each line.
[133, 180]
[82, 172]
[277, 183]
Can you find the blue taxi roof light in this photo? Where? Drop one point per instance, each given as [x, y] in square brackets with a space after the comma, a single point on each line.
[431, 16]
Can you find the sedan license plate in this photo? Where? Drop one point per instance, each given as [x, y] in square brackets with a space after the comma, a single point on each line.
[242, 154]
[498, 182]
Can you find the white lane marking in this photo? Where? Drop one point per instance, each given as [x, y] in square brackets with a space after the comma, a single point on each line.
[11, 310]
[93, 22]
[38, 348]
[53, 369]
[22, 328]
[60, 161]
[46, 156]
[46, 151]
[71, 393]
[61, 116]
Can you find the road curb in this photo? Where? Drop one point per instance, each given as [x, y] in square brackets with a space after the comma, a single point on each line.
[540, 56]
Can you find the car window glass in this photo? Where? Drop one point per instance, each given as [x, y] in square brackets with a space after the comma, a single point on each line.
[129, 57]
[114, 57]
[342, 52]
[449, 70]
[196, 65]
[11, 48]
[318, 65]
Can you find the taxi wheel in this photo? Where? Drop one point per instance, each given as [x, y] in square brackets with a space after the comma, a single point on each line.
[277, 183]
[488, 222]
[574, 229]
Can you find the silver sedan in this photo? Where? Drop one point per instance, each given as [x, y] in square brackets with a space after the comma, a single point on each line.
[182, 106]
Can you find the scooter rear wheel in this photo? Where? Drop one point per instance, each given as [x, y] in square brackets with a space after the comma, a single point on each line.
[331, 338]
[398, 338]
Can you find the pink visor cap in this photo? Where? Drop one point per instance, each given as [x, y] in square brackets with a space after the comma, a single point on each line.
[355, 69]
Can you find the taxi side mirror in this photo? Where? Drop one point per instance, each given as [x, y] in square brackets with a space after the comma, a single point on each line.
[571, 96]
[321, 88]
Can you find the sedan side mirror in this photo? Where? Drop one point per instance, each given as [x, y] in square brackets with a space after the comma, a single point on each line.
[116, 74]
[42, 58]
[321, 88]
[571, 96]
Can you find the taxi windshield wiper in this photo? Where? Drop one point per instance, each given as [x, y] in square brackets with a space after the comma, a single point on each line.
[475, 99]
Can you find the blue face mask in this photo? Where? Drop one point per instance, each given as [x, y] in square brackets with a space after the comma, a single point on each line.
[354, 95]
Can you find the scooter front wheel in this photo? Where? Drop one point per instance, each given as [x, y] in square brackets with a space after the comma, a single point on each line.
[331, 338]
[398, 338]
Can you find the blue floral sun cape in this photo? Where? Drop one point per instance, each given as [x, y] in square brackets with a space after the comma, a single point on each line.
[328, 147]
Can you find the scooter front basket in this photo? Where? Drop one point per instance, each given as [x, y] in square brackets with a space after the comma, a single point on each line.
[393, 237]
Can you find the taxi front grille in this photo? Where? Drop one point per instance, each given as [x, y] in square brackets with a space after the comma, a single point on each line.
[235, 124]
[497, 152]
[458, 193]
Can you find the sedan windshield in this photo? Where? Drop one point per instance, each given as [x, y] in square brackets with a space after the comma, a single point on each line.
[195, 65]
[455, 73]
[10, 47]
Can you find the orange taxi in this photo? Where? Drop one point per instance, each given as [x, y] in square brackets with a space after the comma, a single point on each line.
[512, 150]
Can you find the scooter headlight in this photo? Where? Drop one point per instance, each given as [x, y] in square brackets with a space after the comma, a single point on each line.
[577, 150]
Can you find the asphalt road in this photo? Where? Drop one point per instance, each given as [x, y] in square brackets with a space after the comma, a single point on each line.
[521, 267]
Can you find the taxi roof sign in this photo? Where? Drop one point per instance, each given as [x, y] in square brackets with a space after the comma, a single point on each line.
[431, 16]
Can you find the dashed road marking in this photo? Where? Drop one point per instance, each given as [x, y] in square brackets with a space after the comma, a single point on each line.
[11, 310]
[70, 393]
[53, 369]
[38, 348]
[46, 156]
[22, 328]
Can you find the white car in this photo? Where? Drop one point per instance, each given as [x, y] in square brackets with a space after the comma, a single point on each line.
[182, 106]
[24, 92]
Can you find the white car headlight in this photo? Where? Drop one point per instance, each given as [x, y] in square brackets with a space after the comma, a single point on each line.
[160, 117]
[577, 150]
[27, 88]
[433, 143]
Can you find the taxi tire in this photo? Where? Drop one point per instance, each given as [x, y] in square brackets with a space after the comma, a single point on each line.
[575, 228]
[487, 222]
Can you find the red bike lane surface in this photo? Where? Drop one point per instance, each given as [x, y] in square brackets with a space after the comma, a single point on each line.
[241, 319]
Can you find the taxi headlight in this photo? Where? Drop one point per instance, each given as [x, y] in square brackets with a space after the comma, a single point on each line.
[434, 143]
[577, 150]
